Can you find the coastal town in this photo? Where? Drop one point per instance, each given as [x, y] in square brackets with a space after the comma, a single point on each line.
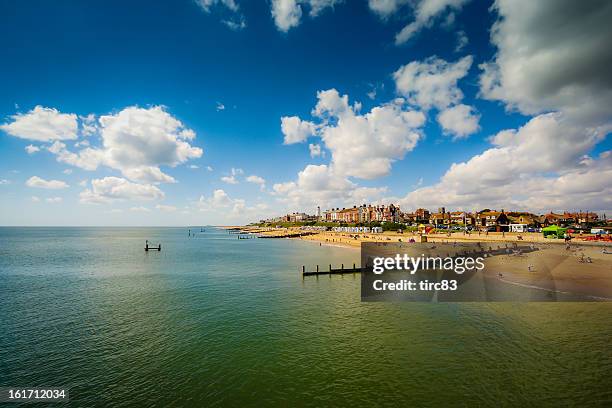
[391, 217]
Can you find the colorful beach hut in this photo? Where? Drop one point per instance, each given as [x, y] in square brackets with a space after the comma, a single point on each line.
[554, 231]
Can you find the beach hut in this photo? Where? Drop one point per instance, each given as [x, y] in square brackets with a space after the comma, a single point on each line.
[554, 231]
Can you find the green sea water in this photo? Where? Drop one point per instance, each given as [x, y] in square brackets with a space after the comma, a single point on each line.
[216, 321]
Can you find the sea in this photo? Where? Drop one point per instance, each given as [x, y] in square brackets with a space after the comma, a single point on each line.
[211, 320]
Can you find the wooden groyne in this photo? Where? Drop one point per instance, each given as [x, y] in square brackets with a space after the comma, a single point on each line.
[330, 271]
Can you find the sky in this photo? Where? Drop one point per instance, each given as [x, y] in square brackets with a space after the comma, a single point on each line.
[229, 111]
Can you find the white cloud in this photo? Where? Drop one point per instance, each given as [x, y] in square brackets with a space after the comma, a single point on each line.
[148, 174]
[260, 181]
[194, 166]
[525, 169]
[207, 5]
[385, 8]
[31, 149]
[315, 150]
[138, 138]
[288, 13]
[365, 145]
[462, 41]
[35, 199]
[432, 83]
[296, 130]
[459, 121]
[227, 207]
[320, 185]
[54, 200]
[87, 159]
[109, 189]
[220, 106]
[231, 179]
[43, 125]
[4, 182]
[67, 171]
[361, 145]
[135, 141]
[540, 68]
[425, 14]
[37, 182]
[209, 168]
[552, 55]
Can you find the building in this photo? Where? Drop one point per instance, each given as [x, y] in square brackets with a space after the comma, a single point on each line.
[461, 218]
[497, 219]
[422, 215]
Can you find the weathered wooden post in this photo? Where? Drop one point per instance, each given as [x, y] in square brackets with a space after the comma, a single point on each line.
[329, 268]
[303, 270]
[317, 268]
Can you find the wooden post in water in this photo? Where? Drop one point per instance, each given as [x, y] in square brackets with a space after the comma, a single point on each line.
[317, 268]
[303, 270]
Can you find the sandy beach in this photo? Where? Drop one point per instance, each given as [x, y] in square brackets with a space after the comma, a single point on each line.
[355, 239]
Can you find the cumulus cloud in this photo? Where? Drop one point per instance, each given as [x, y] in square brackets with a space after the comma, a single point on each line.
[232, 178]
[362, 146]
[296, 130]
[433, 82]
[228, 208]
[37, 182]
[260, 181]
[365, 145]
[87, 159]
[4, 182]
[135, 141]
[43, 125]
[320, 185]
[287, 14]
[139, 138]
[54, 200]
[552, 55]
[525, 169]
[459, 121]
[31, 149]
[109, 189]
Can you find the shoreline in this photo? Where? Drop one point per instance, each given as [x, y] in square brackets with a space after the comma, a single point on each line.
[354, 240]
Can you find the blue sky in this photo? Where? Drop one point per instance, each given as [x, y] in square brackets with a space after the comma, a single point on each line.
[225, 90]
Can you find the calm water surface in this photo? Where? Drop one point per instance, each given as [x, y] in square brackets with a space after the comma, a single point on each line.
[217, 321]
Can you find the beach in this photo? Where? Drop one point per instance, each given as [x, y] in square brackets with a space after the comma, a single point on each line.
[351, 239]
